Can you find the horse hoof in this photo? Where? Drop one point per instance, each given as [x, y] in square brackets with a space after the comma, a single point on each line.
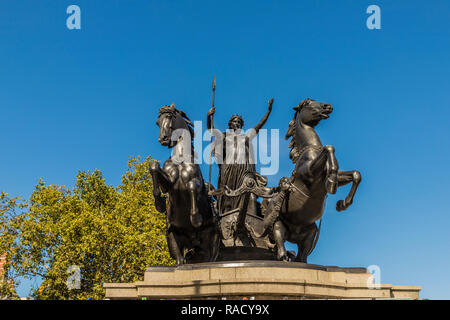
[285, 258]
[340, 206]
[196, 220]
[291, 255]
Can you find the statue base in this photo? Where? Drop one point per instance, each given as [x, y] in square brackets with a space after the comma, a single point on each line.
[245, 253]
[257, 280]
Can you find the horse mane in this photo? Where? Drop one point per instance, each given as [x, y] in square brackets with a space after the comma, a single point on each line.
[295, 151]
[174, 112]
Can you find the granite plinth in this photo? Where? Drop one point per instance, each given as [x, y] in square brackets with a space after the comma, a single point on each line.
[258, 279]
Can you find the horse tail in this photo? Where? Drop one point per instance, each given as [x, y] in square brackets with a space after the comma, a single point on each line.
[316, 237]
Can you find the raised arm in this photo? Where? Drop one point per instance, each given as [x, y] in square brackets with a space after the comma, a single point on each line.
[264, 119]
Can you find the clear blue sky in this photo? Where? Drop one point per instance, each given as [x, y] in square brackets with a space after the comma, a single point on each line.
[83, 99]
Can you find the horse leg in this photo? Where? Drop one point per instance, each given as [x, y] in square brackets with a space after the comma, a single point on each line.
[279, 235]
[332, 174]
[327, 158]
[214, 244]
[345, 177]
[210, 242]
[174, 248]
[194, 187]
[305, 246]
[157, 177]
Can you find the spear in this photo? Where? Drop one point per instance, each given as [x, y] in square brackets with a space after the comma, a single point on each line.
[212, 128]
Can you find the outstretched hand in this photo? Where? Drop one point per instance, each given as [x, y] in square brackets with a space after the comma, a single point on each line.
[211, 111]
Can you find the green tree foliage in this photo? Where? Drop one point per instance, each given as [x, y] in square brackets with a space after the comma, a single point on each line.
[111, 233]
[8, 233]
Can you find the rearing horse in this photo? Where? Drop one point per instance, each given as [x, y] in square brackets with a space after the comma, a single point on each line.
[191, 233]
[315, 175]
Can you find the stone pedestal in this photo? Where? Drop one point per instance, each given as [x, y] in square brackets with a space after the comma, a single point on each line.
[257, 279]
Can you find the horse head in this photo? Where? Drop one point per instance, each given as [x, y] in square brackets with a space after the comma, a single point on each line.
[311, 112]
[308, 113]
[169, 121]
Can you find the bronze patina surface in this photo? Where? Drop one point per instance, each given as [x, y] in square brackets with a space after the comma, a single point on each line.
[229, 223]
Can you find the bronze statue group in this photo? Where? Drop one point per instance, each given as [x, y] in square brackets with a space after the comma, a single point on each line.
[207, 224]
